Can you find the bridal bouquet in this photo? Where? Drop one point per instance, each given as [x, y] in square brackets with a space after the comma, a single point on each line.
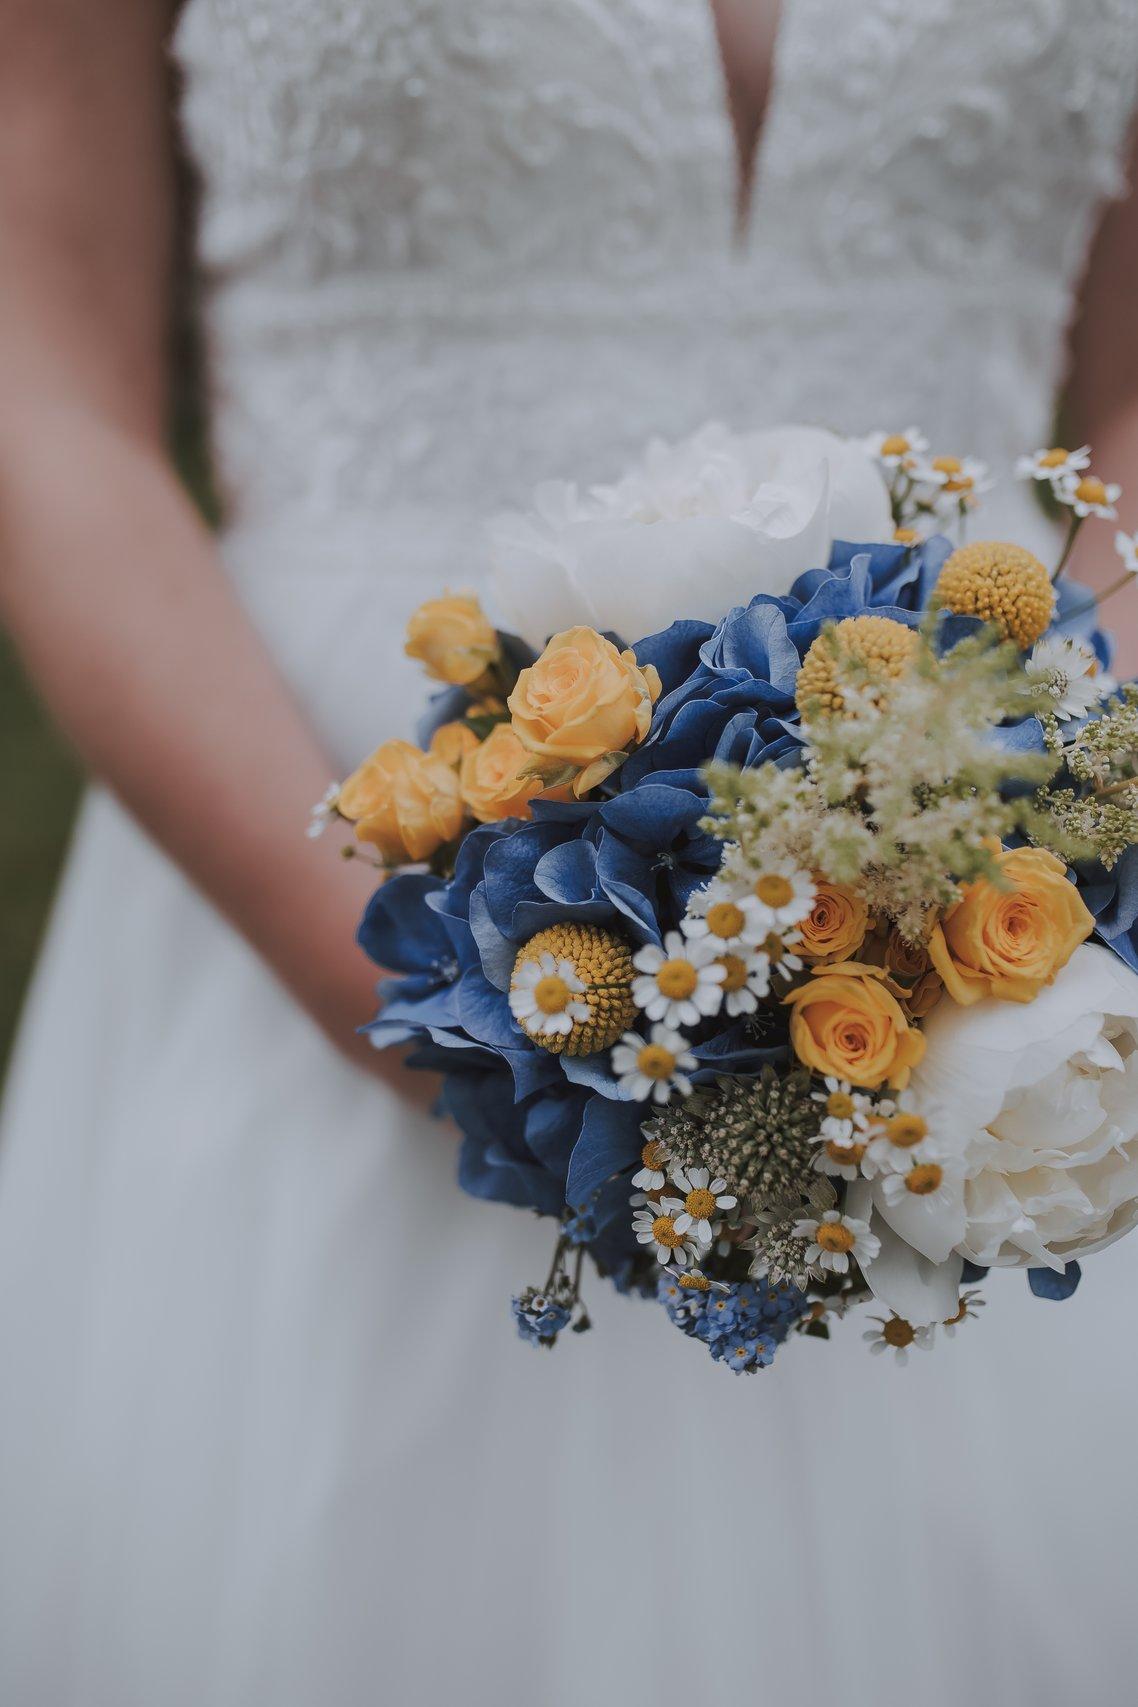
[765, 890]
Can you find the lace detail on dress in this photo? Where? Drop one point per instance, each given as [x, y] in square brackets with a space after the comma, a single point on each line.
[451, 250]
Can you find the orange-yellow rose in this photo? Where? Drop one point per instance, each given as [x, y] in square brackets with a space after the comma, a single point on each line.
[583, 705]
[492, 785]
[846, 1022]
[404, 801]
[452, 741]
[453, 638]
[836, 925]
[1011, 943]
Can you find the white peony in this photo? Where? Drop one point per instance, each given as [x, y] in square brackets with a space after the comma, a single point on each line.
[1043, 1162]
[692, 530]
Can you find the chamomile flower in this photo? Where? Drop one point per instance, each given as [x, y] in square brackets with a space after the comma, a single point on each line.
[901, 1137]
[897, 450]
[704, 1199]
[897, 1335]
[654, 1067]
[1068, 671]
[545, 996]
[932, 1181]
[784, 963]
[835, 1238]
[324, 811]
[679, 983]
[971, 1303]
[956, 481]
[746, 980]
[1087, 495]
[837, 1158]
[1053, 464]
[718, 914]
[651, 1175]
[656, 1225]
[1126, 545]
[780, 897]
[844, 1111]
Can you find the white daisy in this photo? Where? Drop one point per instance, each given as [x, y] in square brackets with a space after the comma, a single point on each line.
[1126, 545]
[1087, 495]
[655, 1066]
[679, 983]
[898, 1336]
[704, 1198]
[780, 896]
[971, 1303]
[932, 1181]
[844, 1111]
[838, 1158]
[746, 980]
[718, 914]
[956, 481]
[325, 810]
[897, 450]
[1053, 464]
[784, 963]
[656, 1225]
[544, 996]
[900, 1138]
[1068, 671]
[835, 1239]
[651, 1175]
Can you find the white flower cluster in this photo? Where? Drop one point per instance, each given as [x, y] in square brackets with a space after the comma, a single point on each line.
[1068, 474]
[681, 1225]
[736, 936]
[925, 485]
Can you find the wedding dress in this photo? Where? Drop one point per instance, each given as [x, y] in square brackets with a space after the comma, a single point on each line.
[266, 1434]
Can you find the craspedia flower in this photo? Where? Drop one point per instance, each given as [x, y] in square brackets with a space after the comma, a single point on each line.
[1003, 584]
[883, 648]
[596, 996]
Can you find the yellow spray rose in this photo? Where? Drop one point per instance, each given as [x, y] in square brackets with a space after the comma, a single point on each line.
[846, 1021]
[582, 706]
[1011, 943]
[836, 925]
[492, 785]
[452, 741]
[404, 801]
[453, 638]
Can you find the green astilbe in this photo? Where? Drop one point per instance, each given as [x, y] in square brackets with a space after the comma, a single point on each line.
[1100, 808]
[903, 791]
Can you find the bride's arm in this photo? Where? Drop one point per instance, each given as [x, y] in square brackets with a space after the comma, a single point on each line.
[109, 583]
[1104, 404]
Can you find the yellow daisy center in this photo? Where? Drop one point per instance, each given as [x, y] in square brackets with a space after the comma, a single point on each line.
[906, 536]
[676, 979]
[905, 1130]
[774, 948]
[899, 1333]
[700, 1205]
[895, 444]
[924, 1178]
[834, 1236]
[664, 1232]
[1054, 458]
[774, 890]
[725, 919]
[851, 1153]
[947, 465]
[735, 969]
[653, 1155]
[840, 1105]
[552, 994]
[656, 1062]
[1002, 584]
[695, 1283]
[1090, 490]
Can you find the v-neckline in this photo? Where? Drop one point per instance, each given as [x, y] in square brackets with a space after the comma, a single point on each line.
[747, 129]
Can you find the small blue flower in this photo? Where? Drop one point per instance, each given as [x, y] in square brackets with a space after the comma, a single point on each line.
[539, 1317]
[580, 1226]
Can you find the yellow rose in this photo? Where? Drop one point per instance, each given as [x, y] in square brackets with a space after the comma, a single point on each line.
[846, 1022]
[453, 638]
[404, 801]
[582, 706]
[836, 925]
[1011, 943]
[492, 785]
[452, 741]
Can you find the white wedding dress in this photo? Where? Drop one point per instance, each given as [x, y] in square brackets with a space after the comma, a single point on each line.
[266, 1434]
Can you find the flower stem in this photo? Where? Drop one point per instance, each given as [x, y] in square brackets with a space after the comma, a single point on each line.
[1072, 535]
[1097, 599]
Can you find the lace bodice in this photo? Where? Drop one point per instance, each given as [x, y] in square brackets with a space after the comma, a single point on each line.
[449, 250]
